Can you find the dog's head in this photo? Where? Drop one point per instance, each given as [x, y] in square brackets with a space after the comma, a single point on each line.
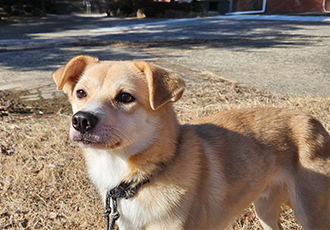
[117, 105]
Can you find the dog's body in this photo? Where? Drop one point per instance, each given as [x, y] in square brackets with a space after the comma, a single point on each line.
[202, 174]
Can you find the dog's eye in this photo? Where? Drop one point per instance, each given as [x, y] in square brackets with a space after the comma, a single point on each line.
[81, 94]
[125, 98]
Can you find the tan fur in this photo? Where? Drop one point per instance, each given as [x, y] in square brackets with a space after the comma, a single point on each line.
[203, 174]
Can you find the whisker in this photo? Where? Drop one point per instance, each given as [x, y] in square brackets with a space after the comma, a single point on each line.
[113, 135]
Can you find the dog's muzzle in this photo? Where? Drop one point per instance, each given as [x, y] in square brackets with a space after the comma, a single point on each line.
[84, 121]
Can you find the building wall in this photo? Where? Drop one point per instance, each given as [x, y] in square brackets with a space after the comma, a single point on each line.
[282, 6]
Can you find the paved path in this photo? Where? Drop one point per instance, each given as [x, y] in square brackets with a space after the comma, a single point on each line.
[282, 55]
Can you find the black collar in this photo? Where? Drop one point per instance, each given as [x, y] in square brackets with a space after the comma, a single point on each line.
[123, 190]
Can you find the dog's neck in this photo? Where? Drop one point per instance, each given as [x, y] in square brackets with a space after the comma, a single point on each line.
[150, 161]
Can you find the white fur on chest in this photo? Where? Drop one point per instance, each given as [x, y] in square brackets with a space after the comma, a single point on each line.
[105, 170]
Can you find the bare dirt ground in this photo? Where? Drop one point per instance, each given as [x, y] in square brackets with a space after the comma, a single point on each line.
[43, 181]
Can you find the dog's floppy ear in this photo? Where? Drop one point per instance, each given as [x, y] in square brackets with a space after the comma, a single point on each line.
[164, 85]
[67, 76]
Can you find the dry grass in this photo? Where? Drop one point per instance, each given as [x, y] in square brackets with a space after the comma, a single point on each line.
[43, 181]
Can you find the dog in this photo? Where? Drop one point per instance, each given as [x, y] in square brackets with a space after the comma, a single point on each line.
[199, 175]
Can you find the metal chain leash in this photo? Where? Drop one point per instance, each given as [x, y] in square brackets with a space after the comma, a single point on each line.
[123, 190]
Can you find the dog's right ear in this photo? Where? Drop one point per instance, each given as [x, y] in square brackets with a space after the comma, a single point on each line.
[67, 76]
[164, 85]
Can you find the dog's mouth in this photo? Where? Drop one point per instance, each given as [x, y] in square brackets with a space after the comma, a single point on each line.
[94, 141]
[85, 140]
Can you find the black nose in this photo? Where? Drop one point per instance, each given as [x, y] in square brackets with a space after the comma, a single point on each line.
[84, 121]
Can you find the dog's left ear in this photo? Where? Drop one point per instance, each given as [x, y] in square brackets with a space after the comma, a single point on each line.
[164, 85]
[67, 76]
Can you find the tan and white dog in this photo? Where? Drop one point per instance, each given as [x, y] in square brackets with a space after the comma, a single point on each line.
[202, 174]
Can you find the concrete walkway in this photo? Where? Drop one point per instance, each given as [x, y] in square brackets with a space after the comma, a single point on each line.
[286, 55]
